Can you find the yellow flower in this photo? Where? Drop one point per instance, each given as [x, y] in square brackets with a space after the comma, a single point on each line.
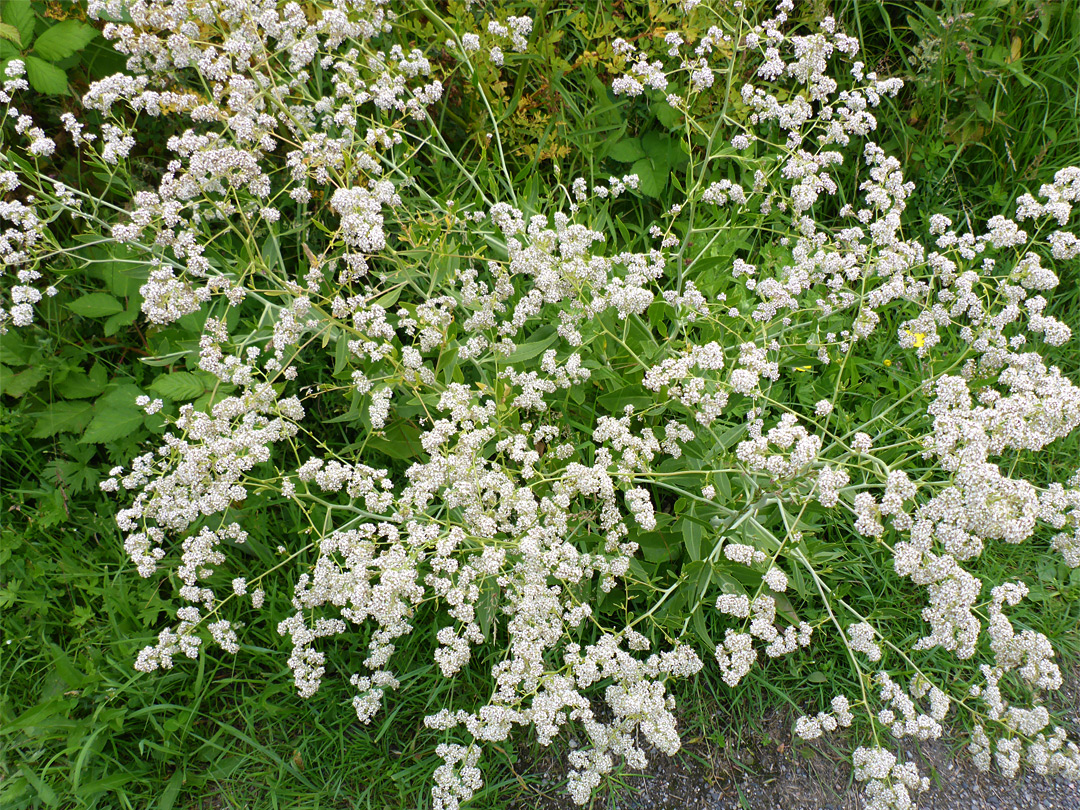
[920, 338]
[887, 362]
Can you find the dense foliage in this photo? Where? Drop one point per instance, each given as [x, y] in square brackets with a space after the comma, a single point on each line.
[491, 370]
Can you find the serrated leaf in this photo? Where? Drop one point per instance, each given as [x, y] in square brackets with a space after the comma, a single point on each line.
[666, 114]
[651, 180]
[45, 77]
[627, 150]
[180, 386]
[10, 33]
[17, 385]
[78, 385]
[96, 305]
[125, 318]
[111, 424]
[19, 14]
[63, 39]
[61, 417]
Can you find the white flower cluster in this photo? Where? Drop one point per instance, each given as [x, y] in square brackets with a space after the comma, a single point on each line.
[890, 784]
[787, 435]
[736, 655]
[509, 517]
[810, 728]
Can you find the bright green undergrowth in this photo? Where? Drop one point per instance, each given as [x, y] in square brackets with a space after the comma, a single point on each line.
[989, 110]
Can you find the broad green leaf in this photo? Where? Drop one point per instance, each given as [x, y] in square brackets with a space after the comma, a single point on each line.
[652, 179]
[16, 385]
[96, 305]
[78, 385]
[63, 39]
[61, 417]
[180, 386]
[120, 319]
[19, 14]
[45, 77]
[400, 440]
[627, 150]
[656, 546]
[666, 114]
[111, 424]
[10, 33]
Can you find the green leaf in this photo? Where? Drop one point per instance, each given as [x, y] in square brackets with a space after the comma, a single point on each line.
[402, 441]
[96, 305]
[634, 395]
[63, 39]
[61, 417]
[44, 792]
[19, 14]
[666, 114]
[10, 33]
[652, 179]
[692, 533]
[78, 385]
[627, 150]
[180, 386]
[16, 385]
[656, 546]
[112, 424]
[45, 77]
[120, 319]
[534, 348]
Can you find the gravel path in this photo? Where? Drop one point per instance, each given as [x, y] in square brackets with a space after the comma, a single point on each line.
[771, 775]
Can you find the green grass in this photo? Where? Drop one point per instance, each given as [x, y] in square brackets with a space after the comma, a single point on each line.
[80, 729]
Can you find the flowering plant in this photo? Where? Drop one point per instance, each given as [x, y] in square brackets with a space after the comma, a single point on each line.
[598, 439]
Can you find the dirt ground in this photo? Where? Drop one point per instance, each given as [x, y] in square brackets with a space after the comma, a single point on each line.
[777, 774]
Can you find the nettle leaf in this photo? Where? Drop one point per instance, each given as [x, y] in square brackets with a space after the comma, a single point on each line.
[78, 385]
[61, 417]
[63, 39]
[96, 305]
[627, 150]
[111, 424]
[10, 33]
[181, 386]
[16, 385]
[20, 15]
[652, 178]
[121, 319]
[116, 415]
[666, 114]
[45, 77]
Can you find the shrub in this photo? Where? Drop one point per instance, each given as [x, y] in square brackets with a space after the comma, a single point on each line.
[728, 398]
